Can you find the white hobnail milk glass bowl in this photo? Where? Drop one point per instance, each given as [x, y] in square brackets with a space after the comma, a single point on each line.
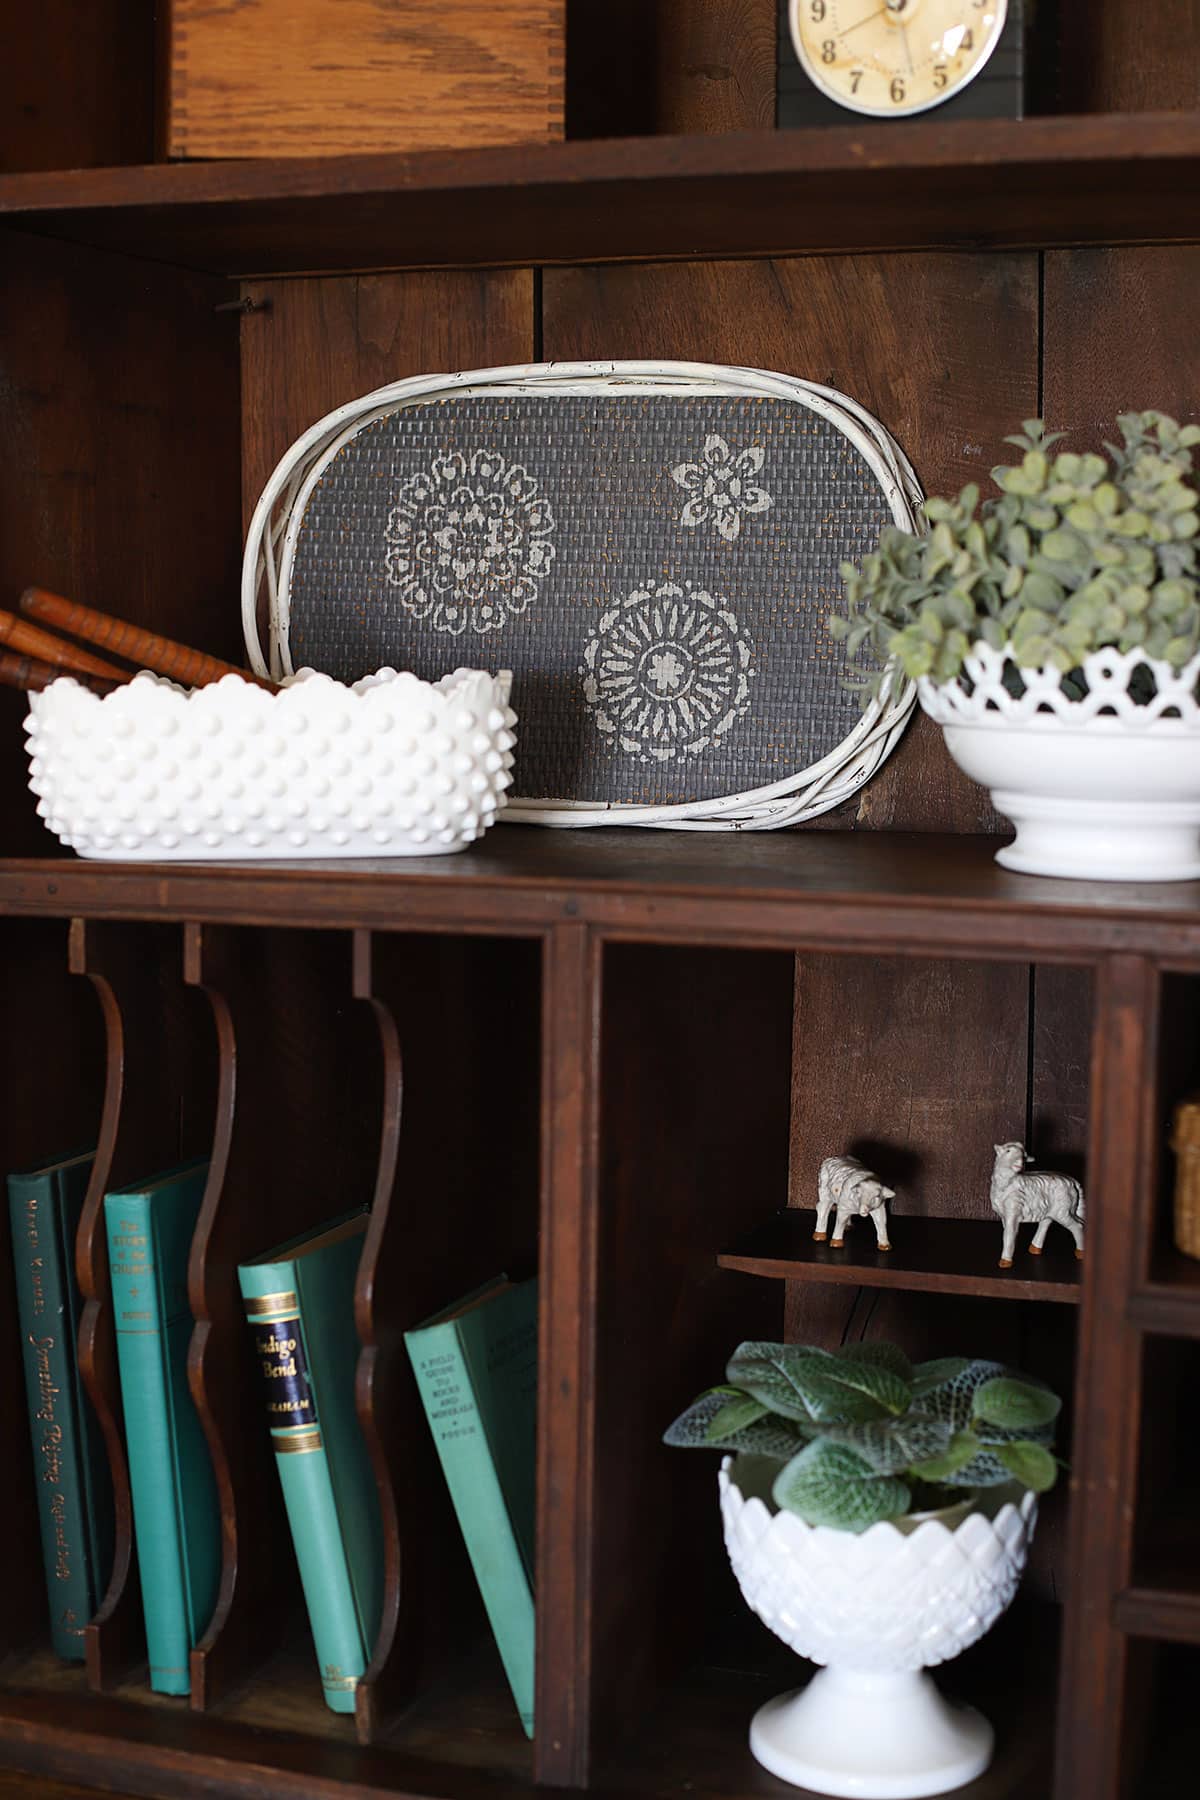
[876, 1609]
[391, 766]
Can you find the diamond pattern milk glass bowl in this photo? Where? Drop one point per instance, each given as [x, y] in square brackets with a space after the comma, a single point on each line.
[875, 1610]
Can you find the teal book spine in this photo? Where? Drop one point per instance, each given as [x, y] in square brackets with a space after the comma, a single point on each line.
[300, 1308]
[476, 1368]
[73, 1490]
[176, 1518]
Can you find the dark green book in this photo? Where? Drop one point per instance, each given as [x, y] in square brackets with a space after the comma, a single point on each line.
[74, 1490]
[299, 1300]
[476, 1367]
[176, 1517]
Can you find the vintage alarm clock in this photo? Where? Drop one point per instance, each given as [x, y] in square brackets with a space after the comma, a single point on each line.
[890, 59]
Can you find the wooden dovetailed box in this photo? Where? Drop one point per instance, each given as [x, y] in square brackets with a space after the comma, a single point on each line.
[246, 78]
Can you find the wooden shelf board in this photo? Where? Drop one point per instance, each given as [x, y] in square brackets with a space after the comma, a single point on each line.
[1168, 1614]
[924, 184]
[943, 1256]
[879, 892]
[275, 1737]
[695, 1739]
[1169, 1303]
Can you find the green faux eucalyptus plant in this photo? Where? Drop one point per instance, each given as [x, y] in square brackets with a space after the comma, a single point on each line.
[1076, 553]
[861, 1434]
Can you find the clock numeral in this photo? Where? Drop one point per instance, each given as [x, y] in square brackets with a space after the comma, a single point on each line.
[856, 76]
[939, 75]
[968, 42]
[897, 89]
[817, 10]
[828, 51]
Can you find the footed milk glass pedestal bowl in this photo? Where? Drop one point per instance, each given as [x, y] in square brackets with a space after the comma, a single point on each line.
[876, 1609]
[391, 766]
[1101, 788]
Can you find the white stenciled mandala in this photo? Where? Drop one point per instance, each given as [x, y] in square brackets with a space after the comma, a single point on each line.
[468, 542]
[721, 486]
[668, 673]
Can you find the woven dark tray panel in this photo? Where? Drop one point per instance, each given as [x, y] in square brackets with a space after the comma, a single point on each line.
[657, 657]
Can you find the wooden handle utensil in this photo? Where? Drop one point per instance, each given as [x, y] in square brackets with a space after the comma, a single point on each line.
[191, 668]
[27, 673]
[27, 640]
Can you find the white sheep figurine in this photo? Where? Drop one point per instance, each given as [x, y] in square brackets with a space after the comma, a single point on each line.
[856, 1192]
[1024, 1196]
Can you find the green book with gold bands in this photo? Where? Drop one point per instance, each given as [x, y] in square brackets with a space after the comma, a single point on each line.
[74, 1491]
[299, 1302]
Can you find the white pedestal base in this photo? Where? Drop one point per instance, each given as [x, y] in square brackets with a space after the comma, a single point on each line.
[1102, 840]
[881, 1737]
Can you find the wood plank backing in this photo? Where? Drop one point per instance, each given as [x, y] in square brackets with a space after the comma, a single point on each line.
[77, 84]
[311, 345]
[118, 405]
[298, 77]
[941, 349]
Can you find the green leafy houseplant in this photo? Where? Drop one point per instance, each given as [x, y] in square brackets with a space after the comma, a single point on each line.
[1076, 553]
[860, 1434]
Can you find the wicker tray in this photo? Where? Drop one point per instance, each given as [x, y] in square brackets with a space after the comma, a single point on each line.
[652, 549]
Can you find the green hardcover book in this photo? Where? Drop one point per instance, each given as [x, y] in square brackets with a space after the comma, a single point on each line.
[300, 1303]
[73, 1486]
[176, 1517]
[476, 1367]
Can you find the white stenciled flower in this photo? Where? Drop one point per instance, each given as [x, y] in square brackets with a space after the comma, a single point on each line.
[721, 486]
[668, 672]
[468, 542]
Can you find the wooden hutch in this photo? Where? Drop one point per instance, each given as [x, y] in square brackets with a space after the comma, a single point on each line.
[611, 1056]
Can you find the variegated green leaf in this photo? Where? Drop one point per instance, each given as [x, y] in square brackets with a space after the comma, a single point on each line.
[1014, 1404]
[1031, 1464]
[826, 1484]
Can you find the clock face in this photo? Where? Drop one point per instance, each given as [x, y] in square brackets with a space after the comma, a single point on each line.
[893, 57]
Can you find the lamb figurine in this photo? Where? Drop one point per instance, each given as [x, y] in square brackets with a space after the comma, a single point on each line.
[1025, 1196]
[848, 1185]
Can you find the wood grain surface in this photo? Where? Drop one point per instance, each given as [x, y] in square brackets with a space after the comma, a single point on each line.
[121, 470]
[311, 345]
[980, 185]
[77, 84]
[294, 77]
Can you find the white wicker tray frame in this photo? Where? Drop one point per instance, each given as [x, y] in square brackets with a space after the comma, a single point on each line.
[274, 529]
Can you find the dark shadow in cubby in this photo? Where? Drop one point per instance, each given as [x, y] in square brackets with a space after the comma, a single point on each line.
[695, 1053]
[1177, 1079]
[158, 1111]
[370, 1077]
[459, 1020]
[296, 1142]
[52, 1078]
[1168, 1483]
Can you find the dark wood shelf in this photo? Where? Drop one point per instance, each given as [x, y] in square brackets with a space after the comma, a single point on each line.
[462, 1737]
[695, 1740]
[970, 184]
[1163, 1613]
[938, 1256]
[1169, 1303]
[888, 892]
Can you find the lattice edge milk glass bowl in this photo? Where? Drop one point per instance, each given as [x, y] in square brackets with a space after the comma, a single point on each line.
[391, 766]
